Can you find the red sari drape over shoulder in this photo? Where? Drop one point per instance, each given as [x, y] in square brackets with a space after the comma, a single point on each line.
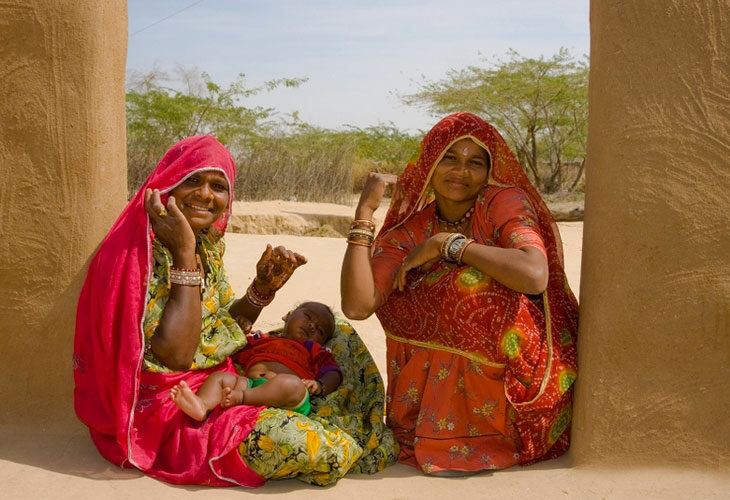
[130, 417]
[479, 376]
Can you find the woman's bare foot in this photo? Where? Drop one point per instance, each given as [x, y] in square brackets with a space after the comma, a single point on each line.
[188, 401]
[231, 397]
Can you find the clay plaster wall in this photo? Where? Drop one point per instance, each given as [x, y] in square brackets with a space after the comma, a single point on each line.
[655, 285]
[62, 183]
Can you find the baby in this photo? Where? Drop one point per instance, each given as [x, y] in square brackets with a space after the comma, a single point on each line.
[281, 370]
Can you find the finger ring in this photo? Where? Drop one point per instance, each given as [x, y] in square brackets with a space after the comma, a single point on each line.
[162, 212]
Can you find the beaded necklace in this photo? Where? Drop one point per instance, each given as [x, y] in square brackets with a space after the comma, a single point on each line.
[454, 226]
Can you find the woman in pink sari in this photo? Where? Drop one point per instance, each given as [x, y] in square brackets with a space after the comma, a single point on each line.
[466, 278]
[156, 309]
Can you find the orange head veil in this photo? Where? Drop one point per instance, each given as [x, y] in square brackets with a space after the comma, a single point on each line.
[505, 170]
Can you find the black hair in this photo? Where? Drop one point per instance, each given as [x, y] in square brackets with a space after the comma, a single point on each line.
[329, 310]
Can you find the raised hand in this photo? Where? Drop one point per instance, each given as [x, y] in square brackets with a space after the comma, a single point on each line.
[275, 267]
[372, 193]
[170, 225]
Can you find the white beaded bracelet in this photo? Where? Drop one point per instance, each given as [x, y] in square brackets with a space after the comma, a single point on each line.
[185, 278]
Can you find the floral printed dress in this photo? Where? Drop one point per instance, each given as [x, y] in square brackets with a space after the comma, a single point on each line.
[318, 449]
[344, 429]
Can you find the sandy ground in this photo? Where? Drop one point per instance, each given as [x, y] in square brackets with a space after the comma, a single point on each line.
[328, 219]
[63, 464]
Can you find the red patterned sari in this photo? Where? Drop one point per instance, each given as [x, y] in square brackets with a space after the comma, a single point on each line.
[479, 375]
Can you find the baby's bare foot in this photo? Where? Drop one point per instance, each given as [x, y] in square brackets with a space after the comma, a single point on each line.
[231, 397]
[174, 393]
[188, 401]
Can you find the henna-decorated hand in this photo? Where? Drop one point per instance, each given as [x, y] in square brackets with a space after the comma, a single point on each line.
[275, 267]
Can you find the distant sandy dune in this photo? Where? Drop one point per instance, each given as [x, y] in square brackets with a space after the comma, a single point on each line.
[327, 219]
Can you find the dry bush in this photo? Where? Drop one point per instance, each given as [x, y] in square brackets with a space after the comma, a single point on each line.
[295, 168]
[142, 158]
[361, 167]
[568, 184]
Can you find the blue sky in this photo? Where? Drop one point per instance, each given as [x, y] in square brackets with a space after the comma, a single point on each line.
[356, 54]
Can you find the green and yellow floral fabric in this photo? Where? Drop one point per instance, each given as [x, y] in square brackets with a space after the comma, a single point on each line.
[349, 420]
[220, 335]
[358, 404]
[284, 444]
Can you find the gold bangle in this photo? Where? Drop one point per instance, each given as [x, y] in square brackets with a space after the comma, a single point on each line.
[360, 243]
[443, 246]
[361, 232]
[366, 222]
[256, 302]
[184, 269]
[463, 249]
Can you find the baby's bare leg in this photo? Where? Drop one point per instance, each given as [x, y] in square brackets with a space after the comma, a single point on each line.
[235, 395]
[281, 391]
[209, 395]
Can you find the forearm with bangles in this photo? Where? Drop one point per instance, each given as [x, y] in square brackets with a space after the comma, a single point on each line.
[252, 303]
[357, 285]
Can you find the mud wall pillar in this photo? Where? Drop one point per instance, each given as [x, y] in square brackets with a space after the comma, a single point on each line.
[63, 169]
[655, 285]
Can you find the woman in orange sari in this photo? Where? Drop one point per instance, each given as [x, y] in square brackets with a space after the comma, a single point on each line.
[466, 277]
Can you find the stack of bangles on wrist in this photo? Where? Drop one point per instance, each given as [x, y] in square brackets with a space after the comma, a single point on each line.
[453, 247]
[257, 298]
[362, 232]
[186, 277]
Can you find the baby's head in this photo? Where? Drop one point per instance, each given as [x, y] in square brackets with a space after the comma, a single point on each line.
[309, 321]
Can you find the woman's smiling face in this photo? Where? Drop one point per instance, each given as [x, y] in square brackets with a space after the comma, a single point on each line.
[202, 198]
[462, 171]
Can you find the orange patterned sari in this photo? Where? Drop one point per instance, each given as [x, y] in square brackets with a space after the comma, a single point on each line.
[479, 376]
